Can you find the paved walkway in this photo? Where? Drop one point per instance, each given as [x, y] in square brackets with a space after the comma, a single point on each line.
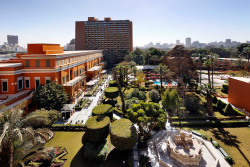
[84, 114]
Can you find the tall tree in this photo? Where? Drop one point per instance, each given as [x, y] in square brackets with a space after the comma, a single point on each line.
[18, 143]
[214, 56]
[208, 64]
[180, 62]
[164, 72]
[209, 90]
[171, 102]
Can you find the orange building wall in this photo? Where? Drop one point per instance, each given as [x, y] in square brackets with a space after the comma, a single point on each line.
[239, 94]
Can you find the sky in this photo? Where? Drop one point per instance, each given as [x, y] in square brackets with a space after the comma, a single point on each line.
[164, 21]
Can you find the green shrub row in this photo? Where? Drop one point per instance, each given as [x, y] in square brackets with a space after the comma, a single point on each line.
[81, 103]
[213, 124]
[68, 127]
[224, 88]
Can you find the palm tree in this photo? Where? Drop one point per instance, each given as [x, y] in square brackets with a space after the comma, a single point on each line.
[209, 90]
[17, 141]
[214, 56]
[164, 71]
[208, 64]
[246, 53]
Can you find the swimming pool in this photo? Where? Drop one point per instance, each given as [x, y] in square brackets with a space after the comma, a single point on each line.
[164, 83]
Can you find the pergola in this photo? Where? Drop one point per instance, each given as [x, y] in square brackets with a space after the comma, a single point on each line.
[68, 110]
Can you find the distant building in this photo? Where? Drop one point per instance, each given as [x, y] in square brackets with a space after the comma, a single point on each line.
[12, 39]
[228, 43]
[247, 41]
[196, 44]
[114, 37]
[178, 42]
[71, 46]
[188, 42]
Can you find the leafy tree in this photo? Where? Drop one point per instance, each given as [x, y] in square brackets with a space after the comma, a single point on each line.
[180, 62]
[142, 96]
[192, 102]
[138, 52]
[147, 116]
[171, 102]
[154, 58]
[51, 96]
[19, 144]
[154, 95]
[140, 77]
[130, 102]
[214, 56]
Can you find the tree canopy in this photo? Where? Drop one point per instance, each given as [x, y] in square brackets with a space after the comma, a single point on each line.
[51, 96]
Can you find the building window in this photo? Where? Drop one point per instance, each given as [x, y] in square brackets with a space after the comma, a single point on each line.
[37, 63]
[63, 79]
[20, 83]
[67, 78]
[65, 61]
[57, 62]
[69, 60]
[47, 63]
[27, 63]
[61, 61]
[27, 83]
[4, 85]
[47, 81]
[37, 83]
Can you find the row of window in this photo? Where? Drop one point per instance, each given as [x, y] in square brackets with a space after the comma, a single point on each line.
[26, 83]
[37, 63]
[69, 60]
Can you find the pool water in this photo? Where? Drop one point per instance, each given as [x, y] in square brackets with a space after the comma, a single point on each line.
[164, 83]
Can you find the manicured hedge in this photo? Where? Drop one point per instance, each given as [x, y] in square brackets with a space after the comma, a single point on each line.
[229, 110]
[143, 88]
[220, 105]
[213, 124]
[95, 151]
[214, 100]
[112, 83]
[111, 92]
[103, 109]
[123, 134]
[117, 111]
[224, 88]
[97, 128]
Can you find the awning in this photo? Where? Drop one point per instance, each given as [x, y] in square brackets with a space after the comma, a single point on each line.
[74, 81]
[90, 83]
[95, 68]
[68, 108]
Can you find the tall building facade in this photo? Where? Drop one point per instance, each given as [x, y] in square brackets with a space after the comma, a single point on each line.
[12, 39]
[228, 43]
[188, 42]
[114, 37]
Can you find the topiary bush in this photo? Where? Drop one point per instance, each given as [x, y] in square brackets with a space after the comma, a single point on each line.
[220, 105]
[130, 102]
[97, 128]
[95, 151]
[123, 134]
[112, 83]
[103, 109]
[135, 93]
[154, 95]
[224, 88]
[142, 96]
[111, 92]
[229, 110]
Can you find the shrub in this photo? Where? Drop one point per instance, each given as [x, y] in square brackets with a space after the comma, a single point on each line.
[47, 118]
[214, 100]
[204, 137]
[154, 95]
[142, 88]
[123, 134]
[103, 109]
[224, 88]
[135, 92]
[142, 96]
[229, 110]
[111, 92]
[216, 145]
[128, 87]
[220, 105]
[97, 128]
[191, 102]
[112, 83]
[238, 112]
[94, 151]
[130, 102]
[147, 83]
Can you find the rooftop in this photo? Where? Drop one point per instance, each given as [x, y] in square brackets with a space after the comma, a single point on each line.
[10, 65]
[243, 79]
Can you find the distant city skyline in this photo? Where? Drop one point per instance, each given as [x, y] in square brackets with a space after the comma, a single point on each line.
[161, 21]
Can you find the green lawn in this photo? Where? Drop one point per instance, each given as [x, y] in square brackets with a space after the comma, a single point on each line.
[235, 141]
[69, 140]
